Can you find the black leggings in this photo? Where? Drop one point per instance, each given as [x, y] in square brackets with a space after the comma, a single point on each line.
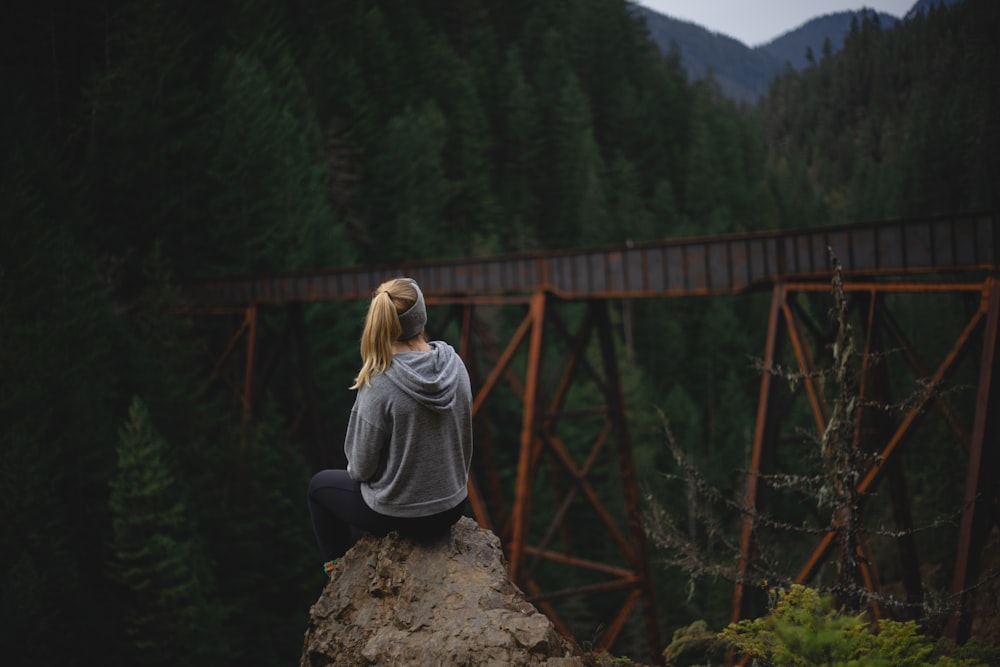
[335, 504]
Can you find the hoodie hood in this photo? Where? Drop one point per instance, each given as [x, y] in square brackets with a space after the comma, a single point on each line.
[431, 378]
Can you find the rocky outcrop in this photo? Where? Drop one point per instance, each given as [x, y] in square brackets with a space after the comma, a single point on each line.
[446, 602]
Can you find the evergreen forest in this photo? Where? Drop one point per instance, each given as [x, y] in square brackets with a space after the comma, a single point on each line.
[147, 145]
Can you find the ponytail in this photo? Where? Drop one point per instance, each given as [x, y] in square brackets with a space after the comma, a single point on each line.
[382, 326]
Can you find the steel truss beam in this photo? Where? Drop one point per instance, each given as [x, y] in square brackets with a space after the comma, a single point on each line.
[555, 360]
[978, 443]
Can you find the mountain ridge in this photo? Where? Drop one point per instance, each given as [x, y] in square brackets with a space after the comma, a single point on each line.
[744, 73]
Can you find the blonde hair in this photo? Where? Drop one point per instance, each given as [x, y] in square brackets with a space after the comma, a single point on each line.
[382, 327]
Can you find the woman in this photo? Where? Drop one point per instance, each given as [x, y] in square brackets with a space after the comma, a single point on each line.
[409, 438]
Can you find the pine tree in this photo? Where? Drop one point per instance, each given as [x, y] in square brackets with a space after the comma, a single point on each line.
[157, 557]
[518, 148]
[576, 190]
[270, 568]
[269, 208]
[472, 209]
[410, 190]
[631, 220]
[57, 404]
[147, 135]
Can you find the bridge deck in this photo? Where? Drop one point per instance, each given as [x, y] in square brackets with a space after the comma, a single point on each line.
[727, 264]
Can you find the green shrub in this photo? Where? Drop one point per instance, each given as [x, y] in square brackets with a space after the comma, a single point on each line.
[803, 628]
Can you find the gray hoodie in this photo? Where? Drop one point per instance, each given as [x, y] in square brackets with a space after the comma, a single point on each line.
[409, 439]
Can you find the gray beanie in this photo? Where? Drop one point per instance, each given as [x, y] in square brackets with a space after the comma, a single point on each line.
[413, 319]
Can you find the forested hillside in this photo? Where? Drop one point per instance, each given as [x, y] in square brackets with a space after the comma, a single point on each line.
[822, 34]
[902, 123]
[146, 145]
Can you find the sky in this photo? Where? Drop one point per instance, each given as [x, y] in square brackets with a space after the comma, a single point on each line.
[755, 22]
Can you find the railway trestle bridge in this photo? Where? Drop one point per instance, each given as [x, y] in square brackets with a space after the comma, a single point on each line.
[551, 351]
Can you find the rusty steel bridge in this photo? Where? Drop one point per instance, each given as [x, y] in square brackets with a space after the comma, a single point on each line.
[953, 256]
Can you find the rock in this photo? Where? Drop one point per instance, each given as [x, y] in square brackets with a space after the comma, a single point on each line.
[446, 602]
